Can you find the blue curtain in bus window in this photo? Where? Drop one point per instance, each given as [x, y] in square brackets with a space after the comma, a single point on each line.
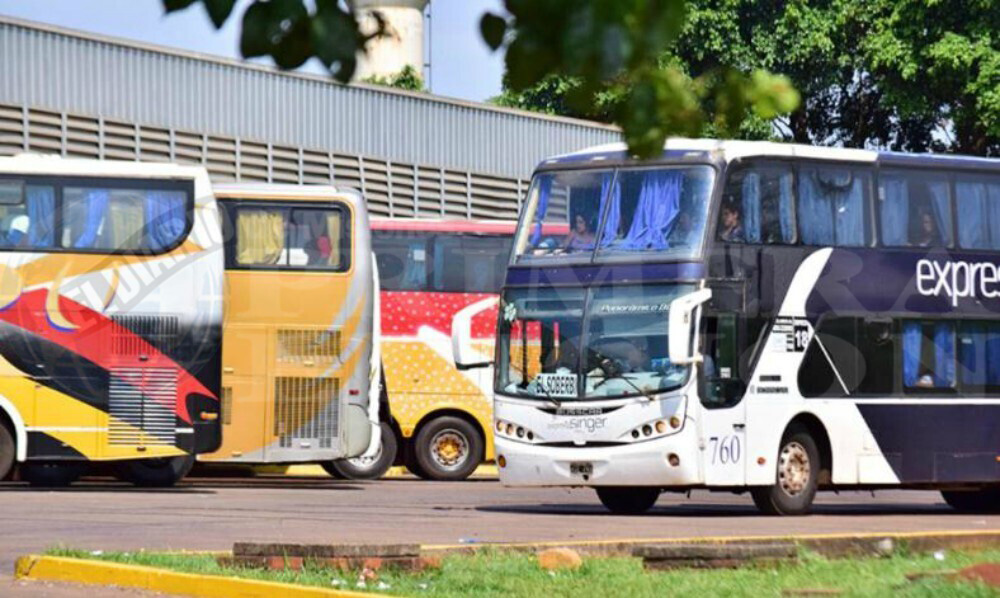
[786, 208]
[993, 211]
[973, 231]
[972, 354]
[544, 192]
[41, 216]
[942, 209]
[992, 355]
[912, 337]
[613, 215]
[895, 211]
[849, 207]
[659, 202]
[164, 218]
[751, 208]
[815, 218]
[944, 355]
[97, 207]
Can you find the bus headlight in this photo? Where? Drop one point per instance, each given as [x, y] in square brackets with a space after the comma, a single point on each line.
[510, 430]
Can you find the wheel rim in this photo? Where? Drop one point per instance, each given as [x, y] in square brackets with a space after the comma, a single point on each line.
[366, 462]
[794, 469]
[449, 449]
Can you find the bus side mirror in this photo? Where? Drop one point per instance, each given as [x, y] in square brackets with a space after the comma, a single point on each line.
[681, 347]
[466, 356]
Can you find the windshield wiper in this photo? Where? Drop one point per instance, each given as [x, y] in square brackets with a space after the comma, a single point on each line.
[612, 370]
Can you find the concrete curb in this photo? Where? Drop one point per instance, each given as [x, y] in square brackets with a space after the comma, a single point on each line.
[826, 544]
[50, 568]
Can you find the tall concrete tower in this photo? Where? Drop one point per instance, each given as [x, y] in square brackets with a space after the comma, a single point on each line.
[403, 43]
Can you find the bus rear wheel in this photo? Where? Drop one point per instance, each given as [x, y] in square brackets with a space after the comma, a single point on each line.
[52, 474]
[6, 452]
[628, 500]
[367, 468]
[448, 448]
[797, 477]
[154, 473]
[983, 500]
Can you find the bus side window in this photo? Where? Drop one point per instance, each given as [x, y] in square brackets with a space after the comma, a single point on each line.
[833, 205]
[722, 385]
[977, 201]
[759, 206]
[928, 356]
[979, 358]
[915, 209]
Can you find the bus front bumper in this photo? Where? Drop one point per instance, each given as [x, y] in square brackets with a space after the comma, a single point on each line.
[640, 464]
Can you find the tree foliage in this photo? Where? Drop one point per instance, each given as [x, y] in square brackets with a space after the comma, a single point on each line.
[612, 47]
[908, 75]
[408, 79]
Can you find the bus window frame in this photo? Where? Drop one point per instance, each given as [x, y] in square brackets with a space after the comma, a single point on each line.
[950, 175]
[230, 207]
[58, 183]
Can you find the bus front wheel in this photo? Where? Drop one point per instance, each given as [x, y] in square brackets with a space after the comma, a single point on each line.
[154, 473]
[984, 500]
[448, 449]
[6, 452]
[797, 477]
[626, 500]
[367, 468]
[46, 474]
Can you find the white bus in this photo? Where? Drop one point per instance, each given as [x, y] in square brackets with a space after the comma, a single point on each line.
[745, 316]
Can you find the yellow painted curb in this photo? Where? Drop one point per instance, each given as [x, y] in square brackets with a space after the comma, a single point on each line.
[309, 471]
[51, 568]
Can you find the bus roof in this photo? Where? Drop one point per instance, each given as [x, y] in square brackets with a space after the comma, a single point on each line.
[499, 227]
[51, 164]
[727, 150]
[286, 191]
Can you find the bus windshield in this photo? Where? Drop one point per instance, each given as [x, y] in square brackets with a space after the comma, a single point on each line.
[573, 344]
[629, 211]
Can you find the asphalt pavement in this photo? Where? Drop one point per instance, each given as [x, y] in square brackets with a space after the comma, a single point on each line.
[212, 514]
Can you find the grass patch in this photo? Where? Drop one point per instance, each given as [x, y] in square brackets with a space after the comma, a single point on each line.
[503, 573]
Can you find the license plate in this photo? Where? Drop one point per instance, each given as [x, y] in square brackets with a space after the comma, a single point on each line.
[581, 468]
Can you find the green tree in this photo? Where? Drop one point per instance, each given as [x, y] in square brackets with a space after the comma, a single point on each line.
[612, 46]
[408, 79]
[907, 75]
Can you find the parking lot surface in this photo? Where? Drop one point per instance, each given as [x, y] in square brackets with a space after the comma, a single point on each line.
[211, 514]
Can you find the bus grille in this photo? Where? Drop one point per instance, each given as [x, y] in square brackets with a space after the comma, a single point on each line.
[162, 332]
[139, 418]
[297, 346]
[306, 409]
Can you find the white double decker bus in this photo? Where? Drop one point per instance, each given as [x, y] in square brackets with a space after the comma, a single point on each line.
[745, 316]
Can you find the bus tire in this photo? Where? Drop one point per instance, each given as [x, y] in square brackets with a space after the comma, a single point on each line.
[448, 448]
[628, 500]
[7, 452]
[983, 500]
[798, 469]
[52, 474]
[358, 468]
[154, 473]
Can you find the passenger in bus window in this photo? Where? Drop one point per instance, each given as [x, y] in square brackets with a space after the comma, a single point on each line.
[732, 225]
[581, 237]
[928, 235]
[17, 230]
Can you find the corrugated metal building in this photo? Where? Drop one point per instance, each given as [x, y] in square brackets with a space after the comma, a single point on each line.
[80, 94]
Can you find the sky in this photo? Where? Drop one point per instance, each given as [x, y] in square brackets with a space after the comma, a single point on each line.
[461, 64]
